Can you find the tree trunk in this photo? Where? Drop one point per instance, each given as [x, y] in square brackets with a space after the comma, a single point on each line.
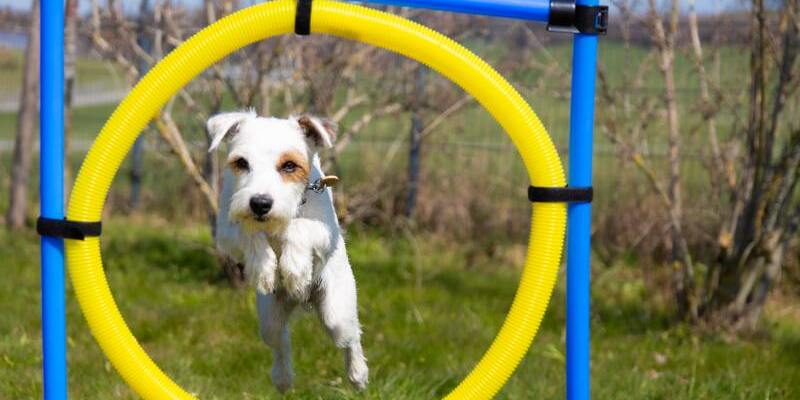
[23, 146]
[718, 166]
[764, 218]
[749, 226]
[737, 262]
[70, 74]
[683, 271]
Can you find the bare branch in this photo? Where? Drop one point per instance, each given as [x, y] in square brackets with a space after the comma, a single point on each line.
[171, 134]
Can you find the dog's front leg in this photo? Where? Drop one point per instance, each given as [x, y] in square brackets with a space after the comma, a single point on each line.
[303, 239]
[274, 311]
[261, 263]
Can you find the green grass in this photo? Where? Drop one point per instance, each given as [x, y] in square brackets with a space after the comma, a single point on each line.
[427, 319]
[90, 71]
[87, 122]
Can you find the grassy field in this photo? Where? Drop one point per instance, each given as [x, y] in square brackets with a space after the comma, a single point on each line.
[90, 72]
[429, 307]
[427, 319]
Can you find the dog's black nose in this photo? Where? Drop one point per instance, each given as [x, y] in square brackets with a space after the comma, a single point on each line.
[261, 204]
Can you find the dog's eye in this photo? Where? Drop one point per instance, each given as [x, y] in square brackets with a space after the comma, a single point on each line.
[288, 166]
[241, 164]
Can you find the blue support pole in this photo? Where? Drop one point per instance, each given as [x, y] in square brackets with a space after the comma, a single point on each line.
[580, 175]
[532, 10]
[584, 69]
[51, 170]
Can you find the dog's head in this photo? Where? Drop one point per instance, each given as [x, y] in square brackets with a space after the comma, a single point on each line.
[272, 160]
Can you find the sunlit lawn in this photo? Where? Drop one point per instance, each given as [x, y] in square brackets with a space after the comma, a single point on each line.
[427, 317]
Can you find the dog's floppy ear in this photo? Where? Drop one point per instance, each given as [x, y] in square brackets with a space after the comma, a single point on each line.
[320, 132]
[225, 125]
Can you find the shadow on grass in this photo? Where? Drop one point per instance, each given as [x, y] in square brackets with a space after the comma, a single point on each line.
[181, 259]
[790, 346]
[629, 317]
[475, 284]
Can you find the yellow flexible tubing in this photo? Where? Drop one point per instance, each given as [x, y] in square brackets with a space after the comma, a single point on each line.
[377, 28]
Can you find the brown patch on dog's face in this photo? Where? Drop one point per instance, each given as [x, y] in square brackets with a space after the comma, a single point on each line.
[293, 167]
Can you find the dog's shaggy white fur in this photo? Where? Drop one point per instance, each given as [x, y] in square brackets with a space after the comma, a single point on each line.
[287, 236]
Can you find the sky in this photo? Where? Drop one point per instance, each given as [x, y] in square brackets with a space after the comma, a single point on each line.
[703, 6]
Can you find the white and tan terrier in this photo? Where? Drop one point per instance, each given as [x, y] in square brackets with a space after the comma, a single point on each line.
[277, 217]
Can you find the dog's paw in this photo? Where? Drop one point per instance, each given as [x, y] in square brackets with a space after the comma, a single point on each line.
[262, 278]
[297, 272]
[281, 377]
[297, 283]
[358, 373]
[260, 268]
[265, 282]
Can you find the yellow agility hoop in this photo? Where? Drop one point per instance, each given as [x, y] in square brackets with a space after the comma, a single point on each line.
[379, 29]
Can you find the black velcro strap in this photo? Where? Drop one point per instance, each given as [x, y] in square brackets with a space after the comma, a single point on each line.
[67, 229]
[560, 194]
[566, 16]
[591, 19]
[302, 20]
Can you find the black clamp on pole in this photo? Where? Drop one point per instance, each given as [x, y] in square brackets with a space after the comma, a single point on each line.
[568, 17]
[63, 228]
[302, 19]
[538, 194]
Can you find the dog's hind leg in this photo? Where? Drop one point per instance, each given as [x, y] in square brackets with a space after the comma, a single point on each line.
[338, 310]
[274, 311]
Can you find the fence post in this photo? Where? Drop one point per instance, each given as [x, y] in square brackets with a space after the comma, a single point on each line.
[415, 145]
[137, 153]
